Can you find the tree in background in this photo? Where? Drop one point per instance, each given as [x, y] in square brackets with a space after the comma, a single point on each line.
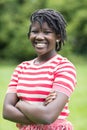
[14, 15]
[14, 43]
[75, 11]
[79, 27]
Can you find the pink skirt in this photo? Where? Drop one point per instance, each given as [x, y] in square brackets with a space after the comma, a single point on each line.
[59, 124]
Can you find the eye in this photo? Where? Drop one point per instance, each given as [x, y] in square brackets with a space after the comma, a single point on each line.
[47, 32]
[34, 31]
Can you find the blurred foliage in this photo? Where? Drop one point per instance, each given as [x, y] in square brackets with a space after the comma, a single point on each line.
[14, 24]
[75, 12]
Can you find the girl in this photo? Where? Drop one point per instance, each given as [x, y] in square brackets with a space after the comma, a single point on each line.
[38, 94]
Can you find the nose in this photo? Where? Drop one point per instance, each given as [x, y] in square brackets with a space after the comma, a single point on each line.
[40, 36]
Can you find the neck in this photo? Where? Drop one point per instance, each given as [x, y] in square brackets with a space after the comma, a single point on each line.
[45, 57]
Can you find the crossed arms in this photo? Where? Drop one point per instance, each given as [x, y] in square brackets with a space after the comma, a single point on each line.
[25, 113]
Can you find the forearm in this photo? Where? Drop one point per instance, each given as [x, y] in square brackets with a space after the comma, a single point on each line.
[13, 114]
[44, 114]
[33, 112]
[37, 113]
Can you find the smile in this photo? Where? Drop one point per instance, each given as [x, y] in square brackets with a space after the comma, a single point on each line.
[40, 45]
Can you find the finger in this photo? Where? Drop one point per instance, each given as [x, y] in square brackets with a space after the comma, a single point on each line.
[51, 94]
[47, 102]
[49, 98]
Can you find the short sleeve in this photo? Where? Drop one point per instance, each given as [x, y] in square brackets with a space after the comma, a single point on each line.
[65, 78]
[14, 80]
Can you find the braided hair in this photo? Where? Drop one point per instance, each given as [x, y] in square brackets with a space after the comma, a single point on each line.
[55, 21]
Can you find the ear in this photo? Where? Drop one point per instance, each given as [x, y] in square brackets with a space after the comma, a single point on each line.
[58, 37]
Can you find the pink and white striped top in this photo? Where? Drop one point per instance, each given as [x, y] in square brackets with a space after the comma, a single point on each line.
[33, 83]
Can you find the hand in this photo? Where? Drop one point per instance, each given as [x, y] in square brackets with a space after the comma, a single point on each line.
[52, 96]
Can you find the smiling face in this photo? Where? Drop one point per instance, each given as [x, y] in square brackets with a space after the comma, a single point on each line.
[43, 39]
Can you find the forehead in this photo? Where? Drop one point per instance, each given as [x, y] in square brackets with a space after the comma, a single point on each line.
[43, 25]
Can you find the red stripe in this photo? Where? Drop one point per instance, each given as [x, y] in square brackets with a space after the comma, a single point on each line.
[32, 92]
[34, 85]
[72, 72]
[64, 113]
[66, 107]
[55, 62]
[14, 80]
[15, 75]
[68, 71]
[32, 99]
[12, 85]
[66, 65]
[66, 85]
[66, 77]
[18, 71]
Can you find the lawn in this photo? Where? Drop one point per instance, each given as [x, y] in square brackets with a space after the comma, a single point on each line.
[5, 72]
[78, 104]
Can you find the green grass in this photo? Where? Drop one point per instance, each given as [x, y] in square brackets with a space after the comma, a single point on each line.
[5, 72]
[78, 104]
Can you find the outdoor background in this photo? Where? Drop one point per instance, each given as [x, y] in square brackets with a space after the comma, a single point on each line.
[15, 48]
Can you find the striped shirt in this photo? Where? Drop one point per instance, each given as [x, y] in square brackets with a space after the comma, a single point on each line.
[33, 83]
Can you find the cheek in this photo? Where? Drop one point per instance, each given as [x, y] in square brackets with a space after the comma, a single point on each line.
[53, 41]
[31, 38]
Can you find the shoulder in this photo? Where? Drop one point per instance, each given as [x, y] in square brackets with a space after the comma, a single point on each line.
[65, 66]
[64, 62]
[23, 65]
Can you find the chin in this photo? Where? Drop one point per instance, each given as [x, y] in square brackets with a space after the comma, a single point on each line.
[41, 53]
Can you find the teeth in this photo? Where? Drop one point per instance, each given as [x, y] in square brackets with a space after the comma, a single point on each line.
[40, 44]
